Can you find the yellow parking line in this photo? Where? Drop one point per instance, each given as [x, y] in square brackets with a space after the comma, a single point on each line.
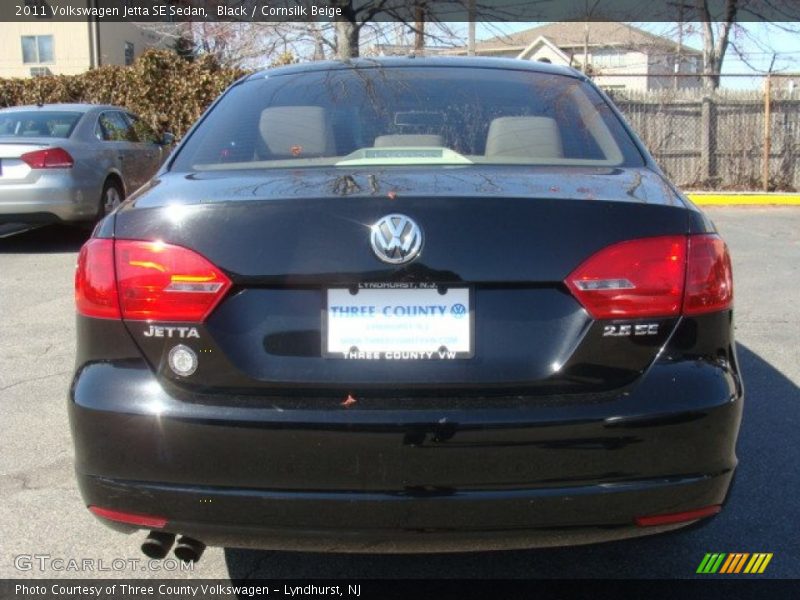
[703, 199]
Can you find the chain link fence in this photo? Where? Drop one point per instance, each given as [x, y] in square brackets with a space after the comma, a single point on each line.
[718, 140]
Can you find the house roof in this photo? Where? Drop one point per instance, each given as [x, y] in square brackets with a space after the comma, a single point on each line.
[570, 34]
[389, 49]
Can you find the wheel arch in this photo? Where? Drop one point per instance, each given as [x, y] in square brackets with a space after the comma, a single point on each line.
[115, 175]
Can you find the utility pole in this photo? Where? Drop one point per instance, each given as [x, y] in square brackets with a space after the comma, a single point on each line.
[767, 128]
[585, 60]
[589, 15]
[680, 45]
[684, 7]
[471, 29]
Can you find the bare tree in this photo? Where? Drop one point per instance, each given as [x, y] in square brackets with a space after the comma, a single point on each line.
[715, 40]
[354, 16]
[417, 16]
[231, 44]
[420, 9]
[719, 30]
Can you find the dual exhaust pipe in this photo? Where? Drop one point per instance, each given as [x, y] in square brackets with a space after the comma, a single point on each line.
[158, 543]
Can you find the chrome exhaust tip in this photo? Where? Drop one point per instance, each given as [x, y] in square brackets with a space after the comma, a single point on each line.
[157, 544]
[189, 549]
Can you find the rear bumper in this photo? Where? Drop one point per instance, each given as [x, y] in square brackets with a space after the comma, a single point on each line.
[408, 521]
[504, 473]
[53, 197]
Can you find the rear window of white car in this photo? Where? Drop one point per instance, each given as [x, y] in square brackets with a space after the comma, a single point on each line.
[39, 123]
[379, 116]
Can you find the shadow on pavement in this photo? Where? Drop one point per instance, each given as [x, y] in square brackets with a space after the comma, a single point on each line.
[761, 516]
[45, 240]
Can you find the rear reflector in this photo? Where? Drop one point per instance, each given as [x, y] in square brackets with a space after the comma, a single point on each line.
[148, 521]
[163, 282]
[655, 277]
[49, 158]
[636, 278]
[95, 284]
[680, 517]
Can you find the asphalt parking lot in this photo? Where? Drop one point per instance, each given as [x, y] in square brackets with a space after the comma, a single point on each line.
[42, 513]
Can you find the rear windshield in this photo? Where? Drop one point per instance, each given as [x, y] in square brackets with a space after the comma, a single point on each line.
[38, 123]
[408, 116]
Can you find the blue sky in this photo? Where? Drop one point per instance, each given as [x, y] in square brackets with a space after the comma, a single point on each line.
[757, 41]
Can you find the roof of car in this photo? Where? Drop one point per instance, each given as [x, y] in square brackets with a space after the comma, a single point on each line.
[458, 62]
[75, 107]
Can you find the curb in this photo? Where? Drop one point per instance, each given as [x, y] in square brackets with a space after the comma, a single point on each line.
[743, 199]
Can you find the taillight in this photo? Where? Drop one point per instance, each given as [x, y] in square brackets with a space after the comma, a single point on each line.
[709, 276]
[655, 277]
[49, 158]
[161, 282]
[146, 281]
[636, 278]
[95, 284]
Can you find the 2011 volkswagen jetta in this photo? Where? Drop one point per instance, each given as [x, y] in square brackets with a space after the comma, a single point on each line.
[405, 305]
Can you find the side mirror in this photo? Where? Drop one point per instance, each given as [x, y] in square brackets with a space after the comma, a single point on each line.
[167, 139]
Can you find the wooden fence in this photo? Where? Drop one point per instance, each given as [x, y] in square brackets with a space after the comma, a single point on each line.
[718, 141]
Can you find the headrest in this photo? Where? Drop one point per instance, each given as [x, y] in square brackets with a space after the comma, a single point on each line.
[61, 130]
[524, 137]
[296, 132]
[36, 128]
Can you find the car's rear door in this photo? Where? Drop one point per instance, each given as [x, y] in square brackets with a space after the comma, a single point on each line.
[149, 153]
[116, 135]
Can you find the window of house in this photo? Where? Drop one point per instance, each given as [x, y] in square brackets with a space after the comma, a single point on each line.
[37, 49]
[40, 72]
[128, 53]
[607, 59]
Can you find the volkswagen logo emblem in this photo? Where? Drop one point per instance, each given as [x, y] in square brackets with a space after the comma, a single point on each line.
[396, 239]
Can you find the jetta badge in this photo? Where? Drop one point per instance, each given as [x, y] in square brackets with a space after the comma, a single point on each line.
[396, 239]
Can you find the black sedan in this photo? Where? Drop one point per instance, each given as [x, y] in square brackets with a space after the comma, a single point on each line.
[405, 305]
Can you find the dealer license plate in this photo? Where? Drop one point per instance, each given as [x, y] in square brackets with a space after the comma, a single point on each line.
[381, 321]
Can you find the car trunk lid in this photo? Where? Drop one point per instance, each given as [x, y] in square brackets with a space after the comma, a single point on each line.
[12, 168]
[506, 252]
